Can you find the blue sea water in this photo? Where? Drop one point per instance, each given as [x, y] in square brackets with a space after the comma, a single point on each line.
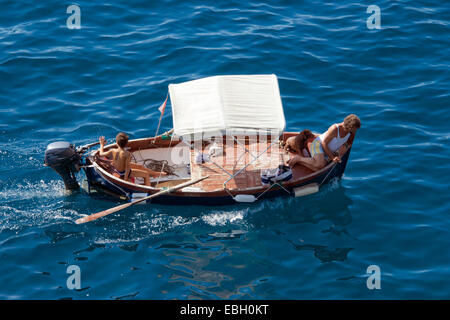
[390, 209]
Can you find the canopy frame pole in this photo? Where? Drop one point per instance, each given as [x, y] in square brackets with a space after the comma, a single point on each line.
[256, 158]
[226, 171]
[215, 163]
[271, 186]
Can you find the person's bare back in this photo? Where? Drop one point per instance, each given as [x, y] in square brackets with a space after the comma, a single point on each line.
[120, 156]
[120, 159]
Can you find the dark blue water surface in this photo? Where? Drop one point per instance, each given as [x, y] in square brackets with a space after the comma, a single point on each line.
[390, 209]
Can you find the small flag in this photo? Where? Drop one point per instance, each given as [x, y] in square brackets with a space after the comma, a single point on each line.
[162, 108]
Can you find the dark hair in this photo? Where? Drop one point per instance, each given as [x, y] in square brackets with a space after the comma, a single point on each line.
[302, 138]
[352, 121]
[122, 139]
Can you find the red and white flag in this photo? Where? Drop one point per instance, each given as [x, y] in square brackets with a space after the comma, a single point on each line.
[162, 108]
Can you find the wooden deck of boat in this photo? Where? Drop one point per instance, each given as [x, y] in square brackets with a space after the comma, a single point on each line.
[234, 159]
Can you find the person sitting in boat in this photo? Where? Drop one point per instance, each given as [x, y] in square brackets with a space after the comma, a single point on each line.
[329, 145]
[121, 160]
[298, 144]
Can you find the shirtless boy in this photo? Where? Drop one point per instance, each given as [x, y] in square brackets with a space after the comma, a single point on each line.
[121, 159]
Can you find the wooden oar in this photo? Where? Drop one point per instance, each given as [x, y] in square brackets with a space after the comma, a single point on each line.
[100, 214]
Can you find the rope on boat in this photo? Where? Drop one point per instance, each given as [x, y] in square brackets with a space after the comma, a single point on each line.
[160, 166]
[334, 166]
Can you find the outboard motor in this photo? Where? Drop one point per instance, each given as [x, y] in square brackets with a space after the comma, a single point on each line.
[62, 157]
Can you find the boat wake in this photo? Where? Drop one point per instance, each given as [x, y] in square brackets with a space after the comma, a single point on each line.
[28, 190]
[222, 218]
[142, 225]
[46, 204]
[34, 204]
[16, 219]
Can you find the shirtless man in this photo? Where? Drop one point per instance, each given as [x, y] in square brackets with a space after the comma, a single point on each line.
[121, 159]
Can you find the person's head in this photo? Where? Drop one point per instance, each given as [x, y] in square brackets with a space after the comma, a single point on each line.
[122, 139]
[290, 145]
[352, 123]
[298, 143]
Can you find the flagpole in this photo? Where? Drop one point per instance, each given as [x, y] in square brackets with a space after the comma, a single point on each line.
[161, 109]
[159, 123]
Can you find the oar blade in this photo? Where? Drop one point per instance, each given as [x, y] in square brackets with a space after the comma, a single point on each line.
[100, 214]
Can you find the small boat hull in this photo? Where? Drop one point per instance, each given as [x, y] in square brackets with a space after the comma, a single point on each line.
[102, 183]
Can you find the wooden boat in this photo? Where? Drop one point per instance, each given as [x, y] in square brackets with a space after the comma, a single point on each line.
[234, 173]
[210, 191]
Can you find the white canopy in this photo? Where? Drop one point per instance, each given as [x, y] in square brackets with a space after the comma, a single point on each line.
[236, 105]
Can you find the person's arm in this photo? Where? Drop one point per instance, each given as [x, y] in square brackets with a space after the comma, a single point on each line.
[343, 149]
[102, 153]
[350, 140]
[293, 161]
[328, 136]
